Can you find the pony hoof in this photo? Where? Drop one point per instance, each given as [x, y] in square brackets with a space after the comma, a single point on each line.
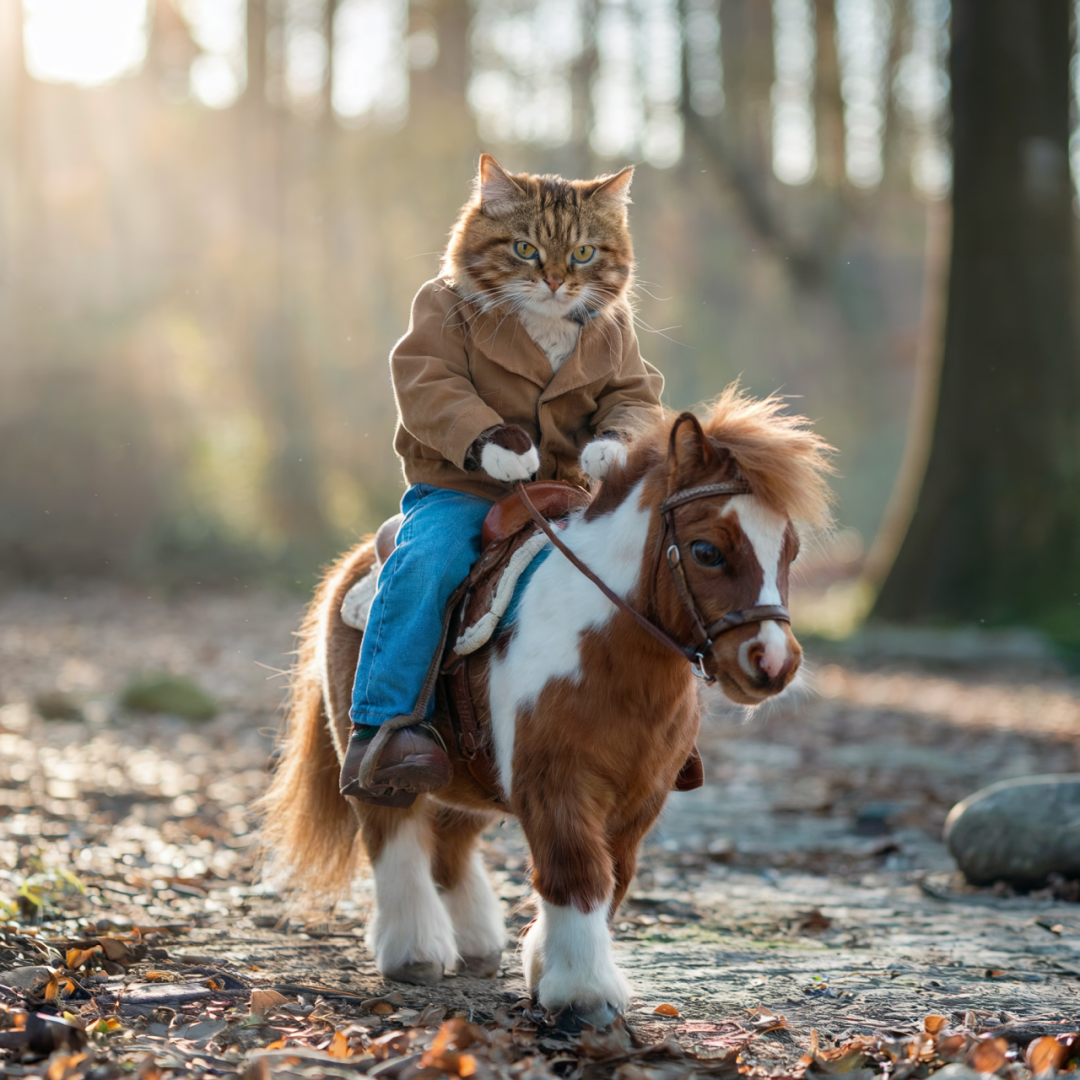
[573, 1018]
[419, 972]
[481, 967]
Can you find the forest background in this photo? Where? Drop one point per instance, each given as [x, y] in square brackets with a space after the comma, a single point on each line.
[215, 214]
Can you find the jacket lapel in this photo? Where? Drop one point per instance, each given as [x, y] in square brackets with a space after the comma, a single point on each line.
[502, 338]
[592, 359]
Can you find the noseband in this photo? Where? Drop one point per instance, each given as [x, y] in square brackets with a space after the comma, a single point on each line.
[704, 633]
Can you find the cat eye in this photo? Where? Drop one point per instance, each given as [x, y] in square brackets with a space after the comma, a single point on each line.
[524, 250]
[582, 254]
[707, 554]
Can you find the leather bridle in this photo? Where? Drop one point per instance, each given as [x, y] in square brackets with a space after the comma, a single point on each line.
[704, 633]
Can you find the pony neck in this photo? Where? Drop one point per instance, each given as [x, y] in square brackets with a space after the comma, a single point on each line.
[612, 544]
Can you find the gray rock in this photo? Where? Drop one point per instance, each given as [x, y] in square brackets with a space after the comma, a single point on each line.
[25, 978]
[1018, 831]
[956, 1071]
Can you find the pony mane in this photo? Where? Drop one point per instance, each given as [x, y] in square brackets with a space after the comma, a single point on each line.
[784, 461]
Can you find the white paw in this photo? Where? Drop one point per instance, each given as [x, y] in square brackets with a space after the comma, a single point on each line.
[502, 464]
[410, 928]
[479, 929]
[567, 960]
[598, 457]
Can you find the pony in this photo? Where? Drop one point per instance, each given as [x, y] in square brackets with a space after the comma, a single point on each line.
[590, 717]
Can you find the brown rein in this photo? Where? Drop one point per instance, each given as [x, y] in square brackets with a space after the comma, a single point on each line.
[706, 633]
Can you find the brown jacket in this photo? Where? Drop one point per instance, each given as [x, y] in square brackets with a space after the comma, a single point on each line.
[458, 371]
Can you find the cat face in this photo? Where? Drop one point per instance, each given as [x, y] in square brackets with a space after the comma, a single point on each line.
[554, 247]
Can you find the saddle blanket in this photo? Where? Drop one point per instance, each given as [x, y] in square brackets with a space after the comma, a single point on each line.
[482, 625]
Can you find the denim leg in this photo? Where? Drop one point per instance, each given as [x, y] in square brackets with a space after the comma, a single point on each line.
[437, 543]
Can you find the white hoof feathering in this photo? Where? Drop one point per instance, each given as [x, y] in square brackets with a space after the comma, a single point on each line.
[507, 466]
[567, 960]
[598, 457]
[479, 929]
[410, 932]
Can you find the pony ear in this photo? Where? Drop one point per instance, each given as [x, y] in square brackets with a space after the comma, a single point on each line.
[690, 452]
[616, 188]
[496, 187]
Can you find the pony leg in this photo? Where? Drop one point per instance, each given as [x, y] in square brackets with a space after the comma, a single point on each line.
[410, 932]
[479, 928]
[624, 847]
[567, 949]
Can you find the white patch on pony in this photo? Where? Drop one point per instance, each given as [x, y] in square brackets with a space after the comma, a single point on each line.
[567, 960]
[557, 606]
[598, 457]
[476, 913]
[506, 465]
[411, 924]
[552, 331]
[765, 530]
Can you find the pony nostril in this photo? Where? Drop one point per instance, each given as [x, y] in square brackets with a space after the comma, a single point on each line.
[756, 655]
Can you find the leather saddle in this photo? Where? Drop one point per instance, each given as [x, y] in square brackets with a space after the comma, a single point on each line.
[508, 535]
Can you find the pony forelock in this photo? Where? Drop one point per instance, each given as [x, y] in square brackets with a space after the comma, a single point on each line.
[785, 462]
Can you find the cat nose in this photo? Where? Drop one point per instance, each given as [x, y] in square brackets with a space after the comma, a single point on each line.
[553, 283]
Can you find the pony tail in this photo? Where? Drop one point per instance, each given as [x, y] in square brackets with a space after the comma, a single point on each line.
[310, 846]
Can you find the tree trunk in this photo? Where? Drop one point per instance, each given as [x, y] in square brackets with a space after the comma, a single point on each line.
[995, 537]
[828, 102]
[278, 375]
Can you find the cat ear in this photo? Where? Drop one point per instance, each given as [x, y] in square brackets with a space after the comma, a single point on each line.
[496, 187]
[617, 187]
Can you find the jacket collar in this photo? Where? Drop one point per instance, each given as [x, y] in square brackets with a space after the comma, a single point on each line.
[503, 338]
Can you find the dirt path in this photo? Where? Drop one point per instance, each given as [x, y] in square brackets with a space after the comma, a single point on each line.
[806, 880]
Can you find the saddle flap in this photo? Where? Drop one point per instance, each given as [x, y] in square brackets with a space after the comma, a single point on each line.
[553, 498]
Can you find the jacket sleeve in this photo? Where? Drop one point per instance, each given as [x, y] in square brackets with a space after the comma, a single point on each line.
[631, 399]
[436, 399]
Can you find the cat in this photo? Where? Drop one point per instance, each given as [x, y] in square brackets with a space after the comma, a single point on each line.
[555, 252]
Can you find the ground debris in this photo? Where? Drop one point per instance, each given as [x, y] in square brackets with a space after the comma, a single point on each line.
[798, 916]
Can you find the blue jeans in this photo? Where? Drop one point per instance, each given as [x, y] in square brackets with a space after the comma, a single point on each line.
[437, 543]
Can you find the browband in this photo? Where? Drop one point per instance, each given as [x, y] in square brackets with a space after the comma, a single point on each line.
[726, 487]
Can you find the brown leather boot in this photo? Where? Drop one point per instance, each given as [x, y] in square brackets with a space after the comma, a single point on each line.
[411, 761]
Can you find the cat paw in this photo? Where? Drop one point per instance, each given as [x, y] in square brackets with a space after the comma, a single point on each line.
[600, 455]
[506, 453]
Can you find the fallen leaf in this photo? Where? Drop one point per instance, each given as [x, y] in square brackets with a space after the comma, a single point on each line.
[811, 922]
[382, 1008]
[115, 949]
[430, 1015]
[445, 1053]
[952, 1047]
[392, 1044]
[262, 1001]
[935, 1024]
[148, 1068]
[666, 1010]
[75, 958]
[988, 1055]
[62, 1065]
[761, 1020]
[1046, 1054]
[339, 1046]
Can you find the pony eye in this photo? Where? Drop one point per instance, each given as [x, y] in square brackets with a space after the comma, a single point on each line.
[523, 249]
[707, 554]
[582, 254]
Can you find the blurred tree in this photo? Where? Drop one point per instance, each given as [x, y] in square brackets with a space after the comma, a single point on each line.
[828, 102]
[996, 530]
[281, 388]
